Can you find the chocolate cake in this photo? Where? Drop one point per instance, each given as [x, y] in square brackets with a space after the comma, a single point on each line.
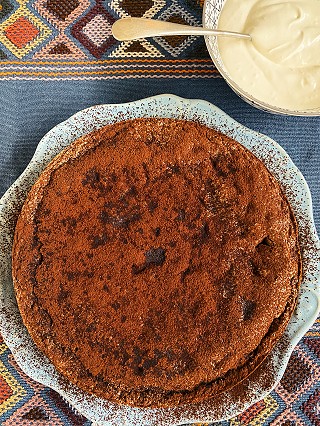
[156, 262]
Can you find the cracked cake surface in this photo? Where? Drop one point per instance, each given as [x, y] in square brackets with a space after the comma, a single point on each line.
[156, 262]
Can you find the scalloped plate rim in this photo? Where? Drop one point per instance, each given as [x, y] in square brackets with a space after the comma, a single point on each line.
[231, 126]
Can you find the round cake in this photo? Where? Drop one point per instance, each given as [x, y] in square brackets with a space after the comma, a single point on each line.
[156, 262]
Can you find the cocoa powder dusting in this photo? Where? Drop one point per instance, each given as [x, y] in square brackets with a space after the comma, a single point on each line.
[159, 259]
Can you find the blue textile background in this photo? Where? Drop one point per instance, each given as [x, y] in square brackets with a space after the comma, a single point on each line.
[28, 111]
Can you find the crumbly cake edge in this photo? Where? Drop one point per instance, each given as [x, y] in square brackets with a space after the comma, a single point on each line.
[150, 397]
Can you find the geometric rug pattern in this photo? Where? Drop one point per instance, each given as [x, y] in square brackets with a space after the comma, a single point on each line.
[294, 402]
[71, 39]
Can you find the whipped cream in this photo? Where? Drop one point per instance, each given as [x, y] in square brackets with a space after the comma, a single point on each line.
[281, 64]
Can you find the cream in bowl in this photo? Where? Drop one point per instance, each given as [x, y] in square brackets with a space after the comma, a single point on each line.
[279, 69]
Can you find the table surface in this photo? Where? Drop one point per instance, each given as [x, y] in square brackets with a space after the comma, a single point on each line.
[58, 57]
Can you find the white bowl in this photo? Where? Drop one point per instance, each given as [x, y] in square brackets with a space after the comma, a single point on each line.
[210, 17]
[266, 377]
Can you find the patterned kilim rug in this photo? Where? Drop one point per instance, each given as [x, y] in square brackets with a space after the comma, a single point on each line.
[51, 39]
[71, 40]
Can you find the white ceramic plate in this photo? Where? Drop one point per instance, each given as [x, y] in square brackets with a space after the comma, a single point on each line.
[265, 378]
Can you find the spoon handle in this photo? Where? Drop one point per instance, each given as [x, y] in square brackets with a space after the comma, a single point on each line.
[134, 28]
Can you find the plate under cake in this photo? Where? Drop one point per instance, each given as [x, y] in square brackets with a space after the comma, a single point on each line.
[156, 262]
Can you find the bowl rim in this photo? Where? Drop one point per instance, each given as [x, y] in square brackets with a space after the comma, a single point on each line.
[159, 106]
[242, 93]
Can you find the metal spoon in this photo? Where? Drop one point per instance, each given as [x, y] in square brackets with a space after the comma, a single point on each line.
[134, 28]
